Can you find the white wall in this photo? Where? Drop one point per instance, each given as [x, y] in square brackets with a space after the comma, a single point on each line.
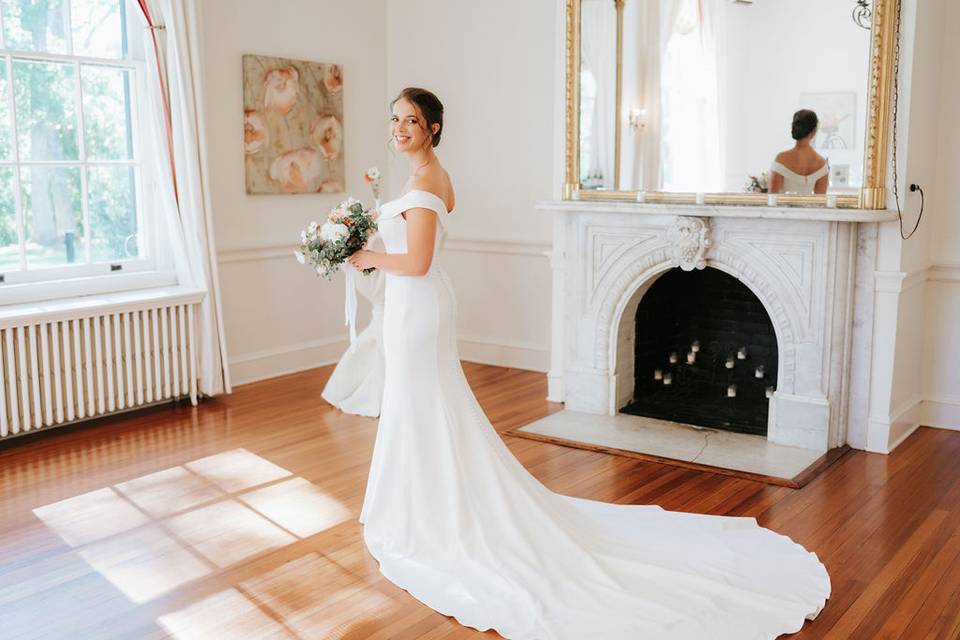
[915, 376]
[493, 64]
[279, 316]
[941, 362]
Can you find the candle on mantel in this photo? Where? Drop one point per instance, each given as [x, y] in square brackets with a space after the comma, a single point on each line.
[667, 379]
[658, 374]
[730, 362]
[695, 347]
[759, 372]
[770, 392]
[732, 391]
[691, 357]
[742, 353]
[673, 358]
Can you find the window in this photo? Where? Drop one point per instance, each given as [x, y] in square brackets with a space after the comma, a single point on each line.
[70, 170]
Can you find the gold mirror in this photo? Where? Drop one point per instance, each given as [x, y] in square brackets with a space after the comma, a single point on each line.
[728, 101]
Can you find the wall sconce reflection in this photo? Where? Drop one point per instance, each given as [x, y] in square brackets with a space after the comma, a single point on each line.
[637, 119]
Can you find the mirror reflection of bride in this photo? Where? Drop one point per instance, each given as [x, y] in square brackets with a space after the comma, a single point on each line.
[800, 170]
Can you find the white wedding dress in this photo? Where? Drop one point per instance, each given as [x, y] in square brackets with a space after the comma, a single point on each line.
[795, 183]
[455, 519]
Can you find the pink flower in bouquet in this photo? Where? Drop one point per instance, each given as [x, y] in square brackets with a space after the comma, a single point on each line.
[281, 88]
[327, 133]
[255, 133]
[333, 78]
[297, 171]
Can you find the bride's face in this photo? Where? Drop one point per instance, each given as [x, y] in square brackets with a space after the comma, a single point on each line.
[407, 127]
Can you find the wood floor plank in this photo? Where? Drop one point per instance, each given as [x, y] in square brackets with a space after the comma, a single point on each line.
[885, 526]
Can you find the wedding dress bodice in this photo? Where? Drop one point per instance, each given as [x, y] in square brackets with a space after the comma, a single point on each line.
[799, 184]
[392, 226]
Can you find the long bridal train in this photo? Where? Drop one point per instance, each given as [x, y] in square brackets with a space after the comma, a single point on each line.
[455, 519]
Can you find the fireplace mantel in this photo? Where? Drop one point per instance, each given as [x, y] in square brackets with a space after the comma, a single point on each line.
[812, 268]
[719, 211]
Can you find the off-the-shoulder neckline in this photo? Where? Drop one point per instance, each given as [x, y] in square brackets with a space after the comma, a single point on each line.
[429, 193]
[825, 165]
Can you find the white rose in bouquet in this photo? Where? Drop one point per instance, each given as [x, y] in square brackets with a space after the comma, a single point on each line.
[334, 231]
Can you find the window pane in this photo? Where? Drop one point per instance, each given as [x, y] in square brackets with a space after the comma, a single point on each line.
[106, 113]
[54, 221]
[97, 30]
[113, 213]
[9, 244]
[35, 25]
[46, 110]
[6, 150]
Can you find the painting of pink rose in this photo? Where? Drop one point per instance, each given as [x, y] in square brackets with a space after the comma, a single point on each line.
[281, 88]
[332, 78]
[255, 134]
[297, 171]
[327, 135]
[292, 126]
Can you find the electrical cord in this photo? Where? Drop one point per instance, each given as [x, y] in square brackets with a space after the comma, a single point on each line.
[896, 103]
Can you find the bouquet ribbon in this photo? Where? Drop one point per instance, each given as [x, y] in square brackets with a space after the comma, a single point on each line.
[350, 305]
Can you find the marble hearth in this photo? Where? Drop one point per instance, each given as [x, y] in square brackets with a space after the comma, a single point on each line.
[812, 269]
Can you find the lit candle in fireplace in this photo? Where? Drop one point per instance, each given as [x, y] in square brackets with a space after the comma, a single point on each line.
[770, 392]
[732, 391]
[668, 379]
[730, 362]
[759, 372]
[658, 374]
[695, 347]
[673, 358]
[742, 353]
[691, 357]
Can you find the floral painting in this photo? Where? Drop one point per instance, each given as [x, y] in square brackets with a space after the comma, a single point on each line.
[292, 126]
[837, 113]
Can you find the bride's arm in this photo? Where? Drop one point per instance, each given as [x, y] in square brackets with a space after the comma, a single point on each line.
[421, 236]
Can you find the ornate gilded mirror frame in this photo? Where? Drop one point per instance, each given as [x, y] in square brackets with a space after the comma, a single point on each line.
[872, 193]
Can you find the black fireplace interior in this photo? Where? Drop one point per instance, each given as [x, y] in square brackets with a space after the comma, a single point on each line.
[706, 353]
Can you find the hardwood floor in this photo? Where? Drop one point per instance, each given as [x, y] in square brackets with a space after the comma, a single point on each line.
[238, 519]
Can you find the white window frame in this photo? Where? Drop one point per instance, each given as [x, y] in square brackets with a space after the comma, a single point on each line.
[41, 283]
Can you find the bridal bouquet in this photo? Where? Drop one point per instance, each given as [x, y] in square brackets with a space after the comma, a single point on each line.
[757, 184]
[327, 246]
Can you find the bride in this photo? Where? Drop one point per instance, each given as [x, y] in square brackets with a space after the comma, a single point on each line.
[455, 519]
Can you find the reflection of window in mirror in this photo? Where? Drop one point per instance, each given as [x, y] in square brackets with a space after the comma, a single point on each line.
[690, 157]
[800, 170]
[598, 66]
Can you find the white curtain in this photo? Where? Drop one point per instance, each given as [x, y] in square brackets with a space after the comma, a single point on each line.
[179, 193]
[690, 140]
[598, 47]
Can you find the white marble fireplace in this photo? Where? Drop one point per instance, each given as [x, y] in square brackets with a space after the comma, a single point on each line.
[802, 264]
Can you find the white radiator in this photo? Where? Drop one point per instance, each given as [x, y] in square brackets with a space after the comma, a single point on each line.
[64, 365]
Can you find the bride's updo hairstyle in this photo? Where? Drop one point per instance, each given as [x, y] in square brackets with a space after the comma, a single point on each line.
[429, 106]
[804, 121]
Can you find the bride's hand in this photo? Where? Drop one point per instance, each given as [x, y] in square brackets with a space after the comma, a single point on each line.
[363, 259]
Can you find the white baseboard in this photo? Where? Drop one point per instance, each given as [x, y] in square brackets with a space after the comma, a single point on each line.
[888, 432]
[279, 361]
[516, 355]
[291, 358]
[942, 413]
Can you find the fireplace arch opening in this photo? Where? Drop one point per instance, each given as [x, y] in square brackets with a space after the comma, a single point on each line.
[705, 353]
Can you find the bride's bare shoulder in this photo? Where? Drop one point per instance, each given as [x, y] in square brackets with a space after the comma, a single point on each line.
[438, 183]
